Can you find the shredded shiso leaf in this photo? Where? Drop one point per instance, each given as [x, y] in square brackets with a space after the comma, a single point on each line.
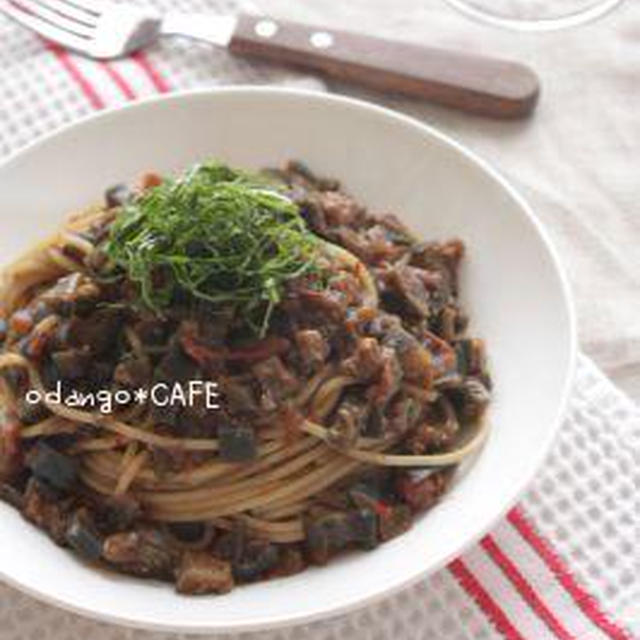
[214, 234]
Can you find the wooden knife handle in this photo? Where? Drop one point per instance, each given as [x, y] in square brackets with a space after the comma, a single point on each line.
[473, 83]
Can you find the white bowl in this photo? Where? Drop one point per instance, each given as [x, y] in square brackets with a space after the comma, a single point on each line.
[514, 288]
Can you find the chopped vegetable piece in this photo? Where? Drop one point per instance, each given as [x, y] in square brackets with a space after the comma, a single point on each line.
[237, 443]
[21, 321]
[199, 573]
[290, 562]
[117, 196]
[52, 467]
[82, 536]
[471, 399]
[143, 552]
[11, 495]
[421, 490]
[41, 508]
[118, 513]
[327, 535]
[364, 526]
[258, 558]
[71, 364]
[471, 356]
[394, 521]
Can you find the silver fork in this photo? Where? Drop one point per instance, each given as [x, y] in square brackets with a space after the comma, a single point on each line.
[104, 29]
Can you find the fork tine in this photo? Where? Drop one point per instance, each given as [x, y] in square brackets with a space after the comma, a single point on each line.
[44, 28]
[94, 6]
[86, 16]
[40, 10]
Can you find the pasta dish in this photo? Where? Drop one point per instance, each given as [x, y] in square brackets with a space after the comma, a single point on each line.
[346, 387]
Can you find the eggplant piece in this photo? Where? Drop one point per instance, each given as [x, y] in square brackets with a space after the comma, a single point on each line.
[45, 509]
[313, 348]
[367, 496]
[200, 573]
[421, 489]
[350, 422]
[143, 552]
[470, 400]
[100, 373]
[275, 378]
[414, 359]
[366, 361]
[444, 258]
[190, 535]
[175, 365]
[72, 364]
[230, 545]
[239, 397]
[407, 285]
[388, 381]
[364, 526]
[397, 230]
[133, 372]
[52, 467]
[21, 321]
[258, 558]
[152, 330]
[86, 299]
[340, 209]
[394, 521]
[376, 423]
[237, 443]
[373, 507]
[187, 532]
[41, 311]
[326, 535]
[332, 532]
[30, 413]
[96, 261]
[471, 357]
[82, 536]
[61, 296]
[11, 495]
[118, 513]
[98, 331]
[289, 563]
[62, 336]
[117, 196]
[297, 169]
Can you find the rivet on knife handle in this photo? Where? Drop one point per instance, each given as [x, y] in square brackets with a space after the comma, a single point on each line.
[473, 83]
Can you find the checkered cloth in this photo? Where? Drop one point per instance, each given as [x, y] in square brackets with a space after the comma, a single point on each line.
[565, 563]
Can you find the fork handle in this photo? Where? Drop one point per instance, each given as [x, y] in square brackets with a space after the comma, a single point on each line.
[470, 82]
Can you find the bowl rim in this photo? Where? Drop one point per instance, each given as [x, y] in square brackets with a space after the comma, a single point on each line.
[422, 128]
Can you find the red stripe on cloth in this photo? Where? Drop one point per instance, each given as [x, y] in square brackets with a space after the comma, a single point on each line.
[119, 81]
[524, 588]
[76, 75]
[586, 602]
[157, 79]
[478, 593]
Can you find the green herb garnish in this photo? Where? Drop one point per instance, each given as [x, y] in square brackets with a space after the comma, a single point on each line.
[214, 234]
